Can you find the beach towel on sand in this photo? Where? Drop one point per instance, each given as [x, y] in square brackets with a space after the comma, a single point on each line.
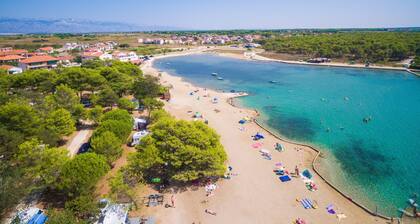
[307, 174]
[284, 178]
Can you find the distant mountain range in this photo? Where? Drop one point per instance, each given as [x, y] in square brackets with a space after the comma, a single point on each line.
[24, 26]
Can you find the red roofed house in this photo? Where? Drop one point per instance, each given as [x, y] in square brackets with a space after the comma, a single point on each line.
[87, 55]
[46, 49]
[10, 58]
[38, 62]
[19, 52]
[65, 59]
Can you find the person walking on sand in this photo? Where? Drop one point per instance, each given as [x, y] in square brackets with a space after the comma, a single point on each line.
[173, 201]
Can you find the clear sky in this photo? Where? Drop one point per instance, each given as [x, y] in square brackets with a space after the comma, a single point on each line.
[225, 14]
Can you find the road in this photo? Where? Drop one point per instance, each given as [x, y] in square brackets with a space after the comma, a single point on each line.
[78, 140]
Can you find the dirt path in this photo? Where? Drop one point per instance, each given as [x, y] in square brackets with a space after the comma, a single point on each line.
[102, 188]
[78, 140]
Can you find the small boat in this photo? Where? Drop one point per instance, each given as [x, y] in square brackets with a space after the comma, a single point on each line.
[273, 81]
[219, 78]
[214, 74]
[413, 202]
[346, 98]
[405, 212]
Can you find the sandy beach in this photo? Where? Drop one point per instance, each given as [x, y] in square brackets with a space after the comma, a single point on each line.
[254, 194]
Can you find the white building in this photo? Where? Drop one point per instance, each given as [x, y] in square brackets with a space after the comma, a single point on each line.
[70, 46]
[126, 57]
[106, 56]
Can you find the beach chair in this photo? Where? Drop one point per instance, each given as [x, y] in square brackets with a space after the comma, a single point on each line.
[160, 200]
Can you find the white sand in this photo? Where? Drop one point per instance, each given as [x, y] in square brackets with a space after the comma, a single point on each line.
[255, 195]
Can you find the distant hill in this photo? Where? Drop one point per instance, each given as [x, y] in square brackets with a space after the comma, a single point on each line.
[24, 26]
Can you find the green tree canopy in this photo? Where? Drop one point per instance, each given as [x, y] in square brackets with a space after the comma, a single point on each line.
[152, 104]
[83, 206]
[20, 117]
[40, 161]
[119, 82]
[362, 46]
[145, 87]
[95, 114]
[39, 80]
[60, 122]
[93, 64]
[81, 79]
[181, 151]
[80, 174]
[106, 144]
[118, 115]
[121, 129]
[126, 104]
[157, 115]
[62, 217]
[64, 97]
[106, 97]
[127, 68]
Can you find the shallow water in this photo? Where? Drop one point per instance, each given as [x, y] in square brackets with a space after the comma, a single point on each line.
[377, 162]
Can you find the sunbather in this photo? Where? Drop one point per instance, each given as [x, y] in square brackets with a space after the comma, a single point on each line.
[208, 211]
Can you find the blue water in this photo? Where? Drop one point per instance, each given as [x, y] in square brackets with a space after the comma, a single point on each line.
[377, 162]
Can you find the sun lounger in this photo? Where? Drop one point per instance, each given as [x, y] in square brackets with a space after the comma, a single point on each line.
[279, 172]
[306, 203]
[284, 178]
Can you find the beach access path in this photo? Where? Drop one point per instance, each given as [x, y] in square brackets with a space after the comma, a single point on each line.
[254, 194]
[81, 137]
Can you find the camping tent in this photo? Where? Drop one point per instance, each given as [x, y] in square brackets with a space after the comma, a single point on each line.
[38, 218]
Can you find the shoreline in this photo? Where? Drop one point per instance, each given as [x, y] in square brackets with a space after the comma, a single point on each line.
[314, 160]
[258, 57]
[312, 156]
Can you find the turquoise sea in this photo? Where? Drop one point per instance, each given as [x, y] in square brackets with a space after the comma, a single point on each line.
[377, 162]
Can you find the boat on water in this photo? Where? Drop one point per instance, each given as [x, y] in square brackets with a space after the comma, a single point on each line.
[219, 78]
[273, 81]
[214, 74]
[413, 202]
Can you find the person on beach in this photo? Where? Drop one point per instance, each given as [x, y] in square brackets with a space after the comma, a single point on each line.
[297, 170]
[173, 201]
[208, 211]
